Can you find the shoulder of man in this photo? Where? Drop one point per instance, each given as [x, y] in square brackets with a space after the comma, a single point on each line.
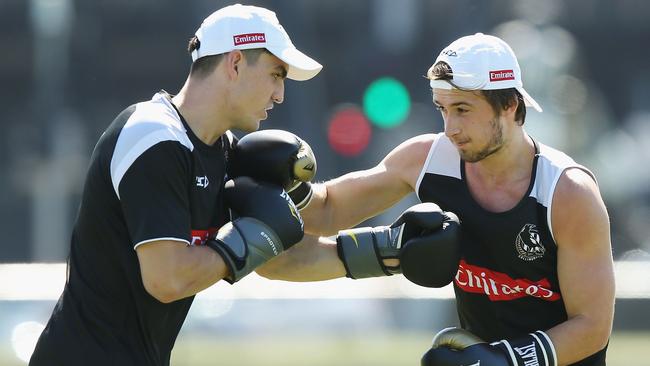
[409, 158]
[413, 150]
[576, 185]
[577, 204]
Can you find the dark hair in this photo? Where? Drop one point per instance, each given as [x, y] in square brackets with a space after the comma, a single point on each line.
[499, 99]
[205, 65]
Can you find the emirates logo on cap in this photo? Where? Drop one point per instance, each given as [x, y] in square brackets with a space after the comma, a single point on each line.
[241, 39]
[501, 75]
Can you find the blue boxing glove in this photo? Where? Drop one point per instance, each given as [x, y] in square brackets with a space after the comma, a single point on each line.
[458, 347]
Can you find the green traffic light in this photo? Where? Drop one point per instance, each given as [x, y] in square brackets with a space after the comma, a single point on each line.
[386, 102]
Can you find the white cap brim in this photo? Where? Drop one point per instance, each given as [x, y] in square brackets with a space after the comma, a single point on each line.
[301, 66]
[440, 84]
[529, 100]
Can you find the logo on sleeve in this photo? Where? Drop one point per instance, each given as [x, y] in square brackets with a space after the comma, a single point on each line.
[202, 182]
[528, 243]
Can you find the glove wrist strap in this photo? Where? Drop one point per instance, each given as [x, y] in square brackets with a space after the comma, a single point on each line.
[301, 195]
[245, 244]
[363, 250]
[533, 349]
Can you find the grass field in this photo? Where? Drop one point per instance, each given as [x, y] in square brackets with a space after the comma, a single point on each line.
[626, 349]
[285, 331]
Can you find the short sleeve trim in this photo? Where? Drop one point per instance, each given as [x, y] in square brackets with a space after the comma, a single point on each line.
[156, 239]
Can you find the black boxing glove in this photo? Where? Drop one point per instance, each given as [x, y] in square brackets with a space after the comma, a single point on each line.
[431, 258]
[277, 157]
[363, 250]
[268, 224]
[458, 347]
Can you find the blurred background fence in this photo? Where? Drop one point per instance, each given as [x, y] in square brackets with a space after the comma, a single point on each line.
[67, 67]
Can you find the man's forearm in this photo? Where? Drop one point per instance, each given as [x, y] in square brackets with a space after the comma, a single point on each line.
[317, 216]
[313, 259]
[202, 268]
[579, 337]
[172, 270]
[341, 204]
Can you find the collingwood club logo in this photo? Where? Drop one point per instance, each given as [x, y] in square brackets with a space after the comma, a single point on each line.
[528, 243]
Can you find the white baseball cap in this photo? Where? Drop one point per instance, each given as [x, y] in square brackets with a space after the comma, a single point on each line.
[482, 62]
[240, 27]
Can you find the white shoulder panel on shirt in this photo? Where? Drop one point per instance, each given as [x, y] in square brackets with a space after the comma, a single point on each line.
[152, 122]
[550, 165]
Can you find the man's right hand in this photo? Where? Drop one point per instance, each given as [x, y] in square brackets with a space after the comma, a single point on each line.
[277, 157]
[459, 347]
[424, 238]
[267, 224]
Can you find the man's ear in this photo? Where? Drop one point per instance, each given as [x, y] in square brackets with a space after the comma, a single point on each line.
[234, 60]
[512, 108]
